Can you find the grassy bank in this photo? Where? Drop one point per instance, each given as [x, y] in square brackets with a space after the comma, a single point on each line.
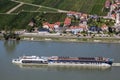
[72, 39]
[69, 39]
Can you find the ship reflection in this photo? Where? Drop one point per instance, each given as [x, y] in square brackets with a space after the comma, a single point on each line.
[10, 46]
[64, 68]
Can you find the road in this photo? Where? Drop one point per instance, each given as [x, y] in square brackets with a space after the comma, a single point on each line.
[14, 8]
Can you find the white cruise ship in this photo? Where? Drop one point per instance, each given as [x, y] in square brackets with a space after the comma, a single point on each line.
[64, 61]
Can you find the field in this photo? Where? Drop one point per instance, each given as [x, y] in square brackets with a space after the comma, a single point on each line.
[85, 6]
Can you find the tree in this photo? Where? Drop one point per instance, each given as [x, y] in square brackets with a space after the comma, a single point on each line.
[39, 20]
[30, 28]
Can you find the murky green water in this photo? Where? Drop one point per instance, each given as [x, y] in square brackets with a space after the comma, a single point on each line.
[13, 49]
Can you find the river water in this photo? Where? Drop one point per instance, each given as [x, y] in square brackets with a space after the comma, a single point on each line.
[13, 49]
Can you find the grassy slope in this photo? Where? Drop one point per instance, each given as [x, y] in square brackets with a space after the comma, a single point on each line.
[86, 6]
[6, 5]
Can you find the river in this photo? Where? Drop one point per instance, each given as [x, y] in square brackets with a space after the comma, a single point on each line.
[14, 49]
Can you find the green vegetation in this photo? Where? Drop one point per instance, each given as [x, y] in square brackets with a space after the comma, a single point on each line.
[6, 20]
[46, 9]
[16, 21]
[26, 8]
[54, 17]
[11, 36]
[21, 20]
[6, 5]
[86, 6]
[100, 21]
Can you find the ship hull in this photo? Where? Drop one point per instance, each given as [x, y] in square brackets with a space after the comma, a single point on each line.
[74, 64]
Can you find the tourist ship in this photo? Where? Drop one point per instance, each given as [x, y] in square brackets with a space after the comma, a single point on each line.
[64, 61]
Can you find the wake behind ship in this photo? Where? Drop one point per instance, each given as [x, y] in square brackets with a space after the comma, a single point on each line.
[64, 61]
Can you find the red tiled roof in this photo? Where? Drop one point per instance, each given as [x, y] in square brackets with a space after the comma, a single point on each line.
[45, 23]
[107, 3]
[67, 21]
[51, 25]
[71, 12]
[77, 27]
[31, 23]
[57, 23]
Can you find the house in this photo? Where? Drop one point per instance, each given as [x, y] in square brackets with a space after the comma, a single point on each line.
[104, 27]
[83, 16]
[51, 27]
[31, 23]
[45, 25]
[107, 4]
[67, 21]
[77, 15]
[94, 29]
[113, 16]
[70, 13]
[117, 1]
[76, 29]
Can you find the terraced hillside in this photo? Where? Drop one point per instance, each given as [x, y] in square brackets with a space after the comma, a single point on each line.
[29, 8]
[26, 10]
[26, 13]
[86, 6]
[21, 21]
[6, 5]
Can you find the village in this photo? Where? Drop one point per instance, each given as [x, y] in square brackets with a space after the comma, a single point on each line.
[77, 24]
[81, 24]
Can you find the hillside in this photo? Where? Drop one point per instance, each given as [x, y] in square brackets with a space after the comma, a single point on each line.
[21, 21]
[20, 17]
[86, 6]
[25, 12]
[5, 5]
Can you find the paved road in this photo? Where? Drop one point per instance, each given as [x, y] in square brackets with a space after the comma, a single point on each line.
[13, 9]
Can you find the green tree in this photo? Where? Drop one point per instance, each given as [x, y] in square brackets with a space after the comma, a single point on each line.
[39, 20]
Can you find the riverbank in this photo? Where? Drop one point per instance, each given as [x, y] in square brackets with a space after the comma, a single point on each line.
[69, 39]
[72, 39]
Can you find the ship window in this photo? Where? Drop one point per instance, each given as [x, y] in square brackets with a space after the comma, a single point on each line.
[28, 61]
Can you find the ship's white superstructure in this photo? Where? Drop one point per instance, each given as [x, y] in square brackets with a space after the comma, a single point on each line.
[64, 61]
